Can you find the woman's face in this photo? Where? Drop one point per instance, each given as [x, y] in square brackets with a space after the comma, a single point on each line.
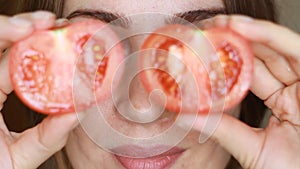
[188, 153]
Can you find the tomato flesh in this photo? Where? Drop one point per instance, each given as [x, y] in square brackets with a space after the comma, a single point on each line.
[170, 86]
[224, 79]
[226, 75]
[60, 70]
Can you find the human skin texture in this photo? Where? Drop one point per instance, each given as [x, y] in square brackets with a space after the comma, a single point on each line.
[80, 146]
[277, 62]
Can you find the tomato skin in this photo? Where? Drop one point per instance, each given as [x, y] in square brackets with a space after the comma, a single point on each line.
[49, 67]
[222, 81]
[161, 40]
[243, 62]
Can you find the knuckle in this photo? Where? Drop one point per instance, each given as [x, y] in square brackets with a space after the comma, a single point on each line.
[45, 144]
[45, 15]
[26, 15]
[42, 142]
[14, 28]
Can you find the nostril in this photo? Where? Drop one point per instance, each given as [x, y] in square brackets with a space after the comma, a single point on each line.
[139, 115]
[138, 95]
[138, 106]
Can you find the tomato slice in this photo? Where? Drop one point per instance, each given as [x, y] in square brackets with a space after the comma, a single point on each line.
[223, 77]
[51, 69]
[237, 60]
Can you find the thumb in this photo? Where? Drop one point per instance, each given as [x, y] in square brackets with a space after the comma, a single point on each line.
[240, 140]
[42, 141]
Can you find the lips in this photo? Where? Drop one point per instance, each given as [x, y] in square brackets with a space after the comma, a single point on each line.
[162, 161]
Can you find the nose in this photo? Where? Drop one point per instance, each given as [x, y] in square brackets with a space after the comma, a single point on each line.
[138, 96]
[130, 97]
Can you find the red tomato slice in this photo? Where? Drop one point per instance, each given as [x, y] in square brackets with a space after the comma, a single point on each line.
[56, 71]
[224, 80]
[237, 60]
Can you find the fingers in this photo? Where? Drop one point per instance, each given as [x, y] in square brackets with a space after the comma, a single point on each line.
[285, 104]
[3, 98]
[62, 22]
[5, 160]
[232, 133]
[42, 141]
[15, 28]
[5, 84]
[240, 140]
[278, 38]
[277, 64]
[3, 127]
[275, 36]
[39, 19]
[276, 46]
[4, 44]
[264, 84]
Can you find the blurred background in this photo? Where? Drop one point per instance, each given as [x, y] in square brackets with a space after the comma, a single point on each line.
[289, 13]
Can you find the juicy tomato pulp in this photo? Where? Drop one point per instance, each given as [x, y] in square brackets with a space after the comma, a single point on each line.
[63, 69]
[221, 79]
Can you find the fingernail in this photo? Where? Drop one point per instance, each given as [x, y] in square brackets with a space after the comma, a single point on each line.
[221, 20]
[42, 15]
[20, 22]
[61, 22]
[206, 24]
[242, 19]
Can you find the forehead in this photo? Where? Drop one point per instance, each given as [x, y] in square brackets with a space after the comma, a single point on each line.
[127, 7]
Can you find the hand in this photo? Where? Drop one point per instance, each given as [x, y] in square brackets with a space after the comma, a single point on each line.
[276, 81]
[32, 147]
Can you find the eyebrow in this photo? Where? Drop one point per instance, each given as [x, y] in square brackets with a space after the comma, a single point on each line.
[195, 15]
[102, 16]
[190, 16]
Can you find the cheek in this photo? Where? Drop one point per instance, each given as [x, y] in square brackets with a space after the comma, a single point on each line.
[84, 153]
[209, 155]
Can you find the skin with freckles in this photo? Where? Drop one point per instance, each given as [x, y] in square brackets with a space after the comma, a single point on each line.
[276, 81]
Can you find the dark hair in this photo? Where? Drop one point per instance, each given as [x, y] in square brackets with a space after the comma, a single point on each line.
[252, 107]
